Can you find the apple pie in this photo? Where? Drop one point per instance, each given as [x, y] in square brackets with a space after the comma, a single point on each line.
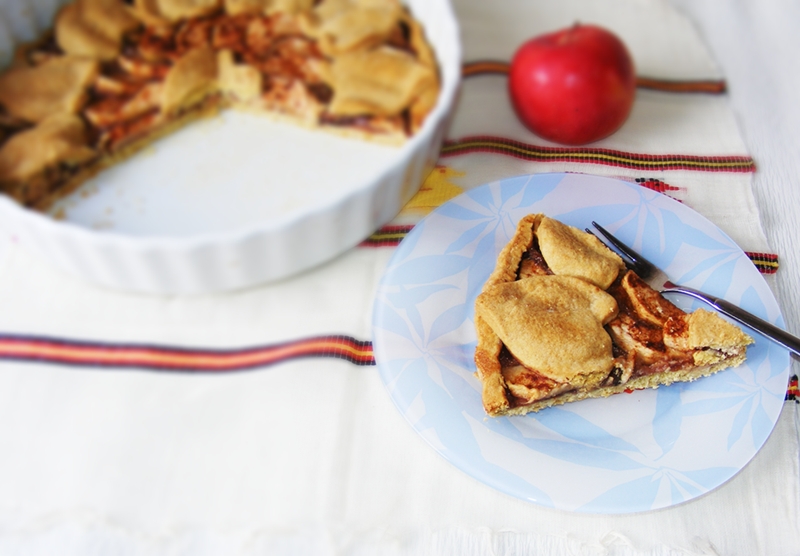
[114, 75]
[562, 319]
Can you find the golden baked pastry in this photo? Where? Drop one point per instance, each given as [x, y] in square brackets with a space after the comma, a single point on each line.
[128, 72]
[561, 319]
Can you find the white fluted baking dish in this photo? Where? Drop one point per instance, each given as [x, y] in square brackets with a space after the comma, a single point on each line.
[233, 201]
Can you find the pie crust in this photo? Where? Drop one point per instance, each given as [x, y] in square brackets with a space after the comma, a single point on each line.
[114, 75]
[561, 319]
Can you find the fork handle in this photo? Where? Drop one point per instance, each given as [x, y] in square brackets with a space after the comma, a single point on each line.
[778, 335]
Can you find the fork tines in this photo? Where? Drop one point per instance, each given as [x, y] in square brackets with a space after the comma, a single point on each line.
[632, 259]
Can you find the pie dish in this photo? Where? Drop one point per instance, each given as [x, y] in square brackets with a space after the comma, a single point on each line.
[561, 319]
[111, 77]
[237, 199]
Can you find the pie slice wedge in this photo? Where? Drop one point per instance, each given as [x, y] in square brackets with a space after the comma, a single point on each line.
[562, 319]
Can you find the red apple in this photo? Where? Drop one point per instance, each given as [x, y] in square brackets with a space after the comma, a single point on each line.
[573, 86]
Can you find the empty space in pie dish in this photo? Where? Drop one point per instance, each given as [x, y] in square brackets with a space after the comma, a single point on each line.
[236, 170]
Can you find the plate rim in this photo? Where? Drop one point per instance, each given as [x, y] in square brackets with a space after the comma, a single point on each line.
[462, 463]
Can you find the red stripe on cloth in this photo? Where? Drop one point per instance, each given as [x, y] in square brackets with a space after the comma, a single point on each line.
[792, 393]
[484, 67]
[766, 263]
[163, 358]
[391, 236]
[102, 354]
[766, 257]
[387, 236]
[656, 185]
[607, 157]
[709, 86]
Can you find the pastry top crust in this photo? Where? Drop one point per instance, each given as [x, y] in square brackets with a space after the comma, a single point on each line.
[59, 138]
[704, 329]
[93, 28]
[347, 25]
[57, 86]
[174, 10]
[510, 256]
[379, 81]
[553, 324]
[546, 325]
[190, 79]
[572, 252]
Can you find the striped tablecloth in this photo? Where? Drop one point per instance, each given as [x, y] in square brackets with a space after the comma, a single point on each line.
[254, 422]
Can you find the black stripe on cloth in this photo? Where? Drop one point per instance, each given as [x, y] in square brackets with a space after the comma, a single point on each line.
[607, 157]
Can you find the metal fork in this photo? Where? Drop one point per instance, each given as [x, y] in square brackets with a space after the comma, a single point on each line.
[659, 281]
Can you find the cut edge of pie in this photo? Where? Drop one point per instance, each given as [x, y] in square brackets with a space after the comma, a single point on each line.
[534, 326]
[202, 110]
[133, 72]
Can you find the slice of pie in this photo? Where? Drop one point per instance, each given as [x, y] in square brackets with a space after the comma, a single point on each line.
[561, 319]
[114, 75]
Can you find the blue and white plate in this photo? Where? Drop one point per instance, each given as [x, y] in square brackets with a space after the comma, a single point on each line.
[631, 452]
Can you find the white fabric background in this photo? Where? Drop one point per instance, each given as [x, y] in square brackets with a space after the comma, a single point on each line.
[757, 46]
[310, 457]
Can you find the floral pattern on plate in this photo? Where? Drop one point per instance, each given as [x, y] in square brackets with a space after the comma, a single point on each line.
[631, 452]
